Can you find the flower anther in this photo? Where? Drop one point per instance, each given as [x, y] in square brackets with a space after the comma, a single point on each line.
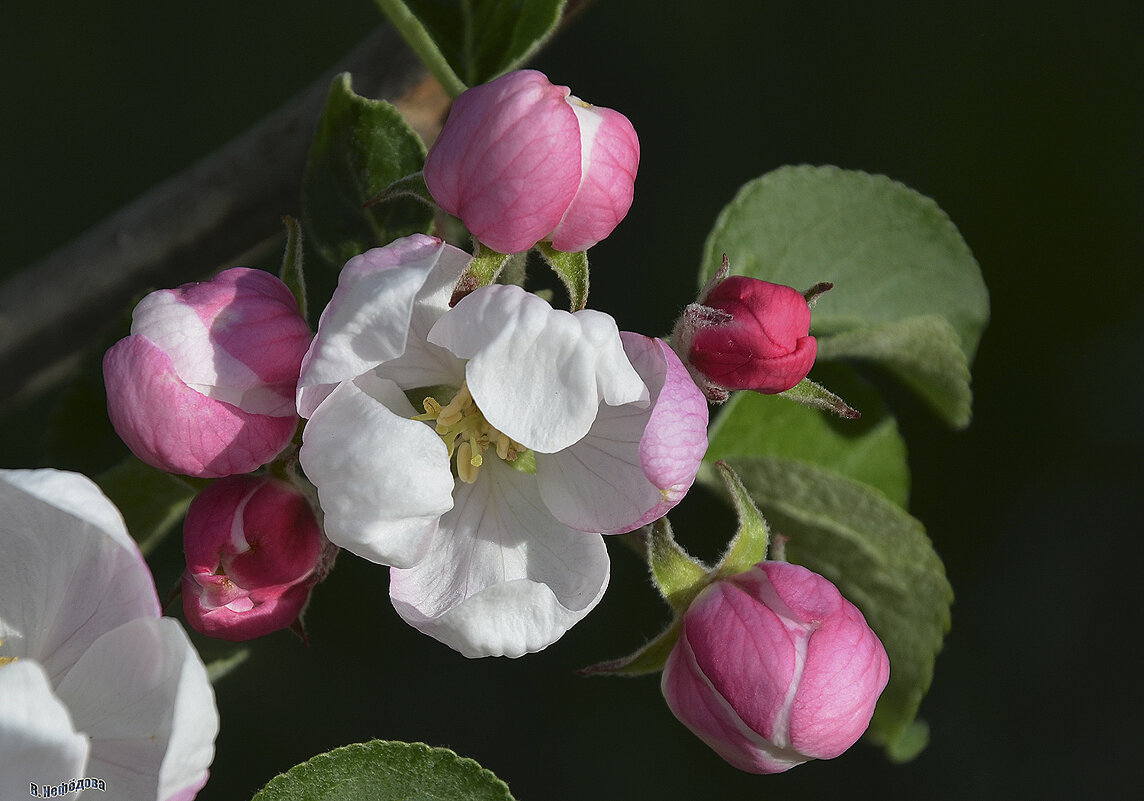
[466, 433]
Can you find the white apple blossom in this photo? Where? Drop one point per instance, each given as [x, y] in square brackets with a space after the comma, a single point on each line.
[481, 450]
[93, 683]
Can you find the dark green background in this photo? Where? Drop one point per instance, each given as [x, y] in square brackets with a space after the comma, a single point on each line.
[1022, 120]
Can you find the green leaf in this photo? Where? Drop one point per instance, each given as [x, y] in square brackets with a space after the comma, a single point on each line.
[880, 559]
[483, 269]
[650, 658]
[922, 352]
[676, 574]
[361, 146]
[413, 186]
[870, 449]
[911, 742]
[891, 253]
[816, 396]
[572, 269]
[151, 501]
[468, 42]
[749, 545]
[291, 273]
[383, 770]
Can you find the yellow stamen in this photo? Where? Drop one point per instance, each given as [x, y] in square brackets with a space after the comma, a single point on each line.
[4, 660]
[466, 433]
[465, 469]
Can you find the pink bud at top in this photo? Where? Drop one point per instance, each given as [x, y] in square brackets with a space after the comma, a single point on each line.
[521, 161]
[774, 667]
[253, 552]
[756, 338]
[204, 385]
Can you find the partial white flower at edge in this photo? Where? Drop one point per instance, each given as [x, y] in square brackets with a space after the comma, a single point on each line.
[93, 682]
[480, 451]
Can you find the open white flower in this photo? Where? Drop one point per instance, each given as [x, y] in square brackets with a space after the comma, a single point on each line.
[430, 431]
[93, 683]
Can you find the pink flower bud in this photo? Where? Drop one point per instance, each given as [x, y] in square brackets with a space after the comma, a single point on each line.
[253, 552]
[750, 334]
[521, 161]
[774, 667]
[204, 385]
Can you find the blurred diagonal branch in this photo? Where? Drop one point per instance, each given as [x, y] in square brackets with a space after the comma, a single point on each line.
[203, 218]
[209, 216]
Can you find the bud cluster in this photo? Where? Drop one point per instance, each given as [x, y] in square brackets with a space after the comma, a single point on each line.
[424, 403]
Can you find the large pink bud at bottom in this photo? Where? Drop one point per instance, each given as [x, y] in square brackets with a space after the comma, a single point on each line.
[521, 161]
[774, 667]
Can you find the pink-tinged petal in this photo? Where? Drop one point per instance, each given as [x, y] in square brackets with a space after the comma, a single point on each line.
[242, 619]
[381, 295]
[848, 665]
[69, 572]
[598, 484]
[189, 792]
[172, 427]
[610, 158]
[503, 577]
[258, 530]
[253, 547]
[142, 694]
[383, 478]
[237, 338]
[699, 705]
[749, 652]
[637, 461]
[675, 440]
[538, 374]
[507, 161]
[38, 742]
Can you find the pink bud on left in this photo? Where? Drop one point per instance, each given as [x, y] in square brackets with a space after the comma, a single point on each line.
[521, 161]
[254, 551]
[204, 385]
[773, 667]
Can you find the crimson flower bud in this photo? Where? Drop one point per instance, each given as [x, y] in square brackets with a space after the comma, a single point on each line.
[748, 334]
[254, 551]
[204, 385]
[774, 667]
[521, 161]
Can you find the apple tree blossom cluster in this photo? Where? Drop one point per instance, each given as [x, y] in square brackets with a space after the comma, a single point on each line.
[476, 440]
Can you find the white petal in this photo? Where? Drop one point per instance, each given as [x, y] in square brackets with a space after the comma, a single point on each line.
[637, 461]
[538, 374]
[38, 743]
[503, 577]
[69, 571]
[383, 479]
[178, 330]
[598, 484]
[142, 695]
[367, 321]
